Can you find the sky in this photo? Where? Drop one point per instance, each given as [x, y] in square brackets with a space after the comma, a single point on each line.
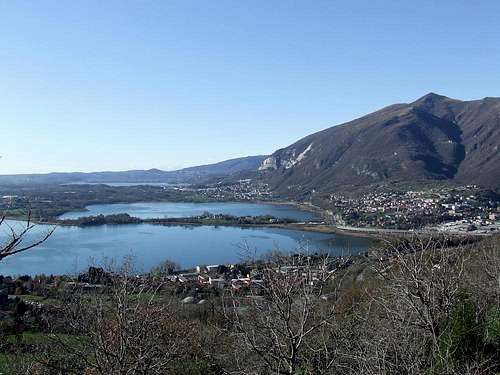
[96, 85]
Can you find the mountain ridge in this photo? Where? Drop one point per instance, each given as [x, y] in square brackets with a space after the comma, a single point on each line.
[432, 138]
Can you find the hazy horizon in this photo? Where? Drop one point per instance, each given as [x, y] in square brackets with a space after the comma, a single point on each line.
[125, 170]
[91, 86]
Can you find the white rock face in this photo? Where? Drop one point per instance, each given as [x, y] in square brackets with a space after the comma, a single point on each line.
[296, 159]
[269, 163]
[302, 155]
[287, 161]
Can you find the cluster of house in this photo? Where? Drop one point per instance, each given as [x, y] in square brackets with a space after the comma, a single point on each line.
[194, 285]
[238, 277]
[218, 276]
[242, 190]
[477, 225]
[414, 208]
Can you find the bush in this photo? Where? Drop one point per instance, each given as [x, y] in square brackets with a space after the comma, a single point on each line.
[492, 329]
[462, 336]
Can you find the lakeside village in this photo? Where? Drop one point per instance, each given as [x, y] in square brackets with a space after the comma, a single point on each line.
[196, 286]
[242, 190]
[465, 209]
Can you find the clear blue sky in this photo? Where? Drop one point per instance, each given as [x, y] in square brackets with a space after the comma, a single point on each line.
[113, 85]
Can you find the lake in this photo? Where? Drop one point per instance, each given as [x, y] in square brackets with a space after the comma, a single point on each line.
[72, 249]
[147, 210]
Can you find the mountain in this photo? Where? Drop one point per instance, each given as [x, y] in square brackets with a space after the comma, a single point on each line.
[187, 175]
[433, 138]
[223, 168]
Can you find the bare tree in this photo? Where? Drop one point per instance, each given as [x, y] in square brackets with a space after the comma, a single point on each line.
[422, 283]
[279, 317]
[490, 266]
[126, 330]
[16, 239]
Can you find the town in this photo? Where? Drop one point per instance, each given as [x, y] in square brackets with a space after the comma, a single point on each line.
[241, 190]
[466, 209]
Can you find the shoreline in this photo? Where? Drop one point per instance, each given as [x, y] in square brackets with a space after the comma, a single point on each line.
[372, 233]
[327, 229]
[305, 227]
[375, 234]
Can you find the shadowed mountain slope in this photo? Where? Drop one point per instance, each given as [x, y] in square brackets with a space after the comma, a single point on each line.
[433, 138]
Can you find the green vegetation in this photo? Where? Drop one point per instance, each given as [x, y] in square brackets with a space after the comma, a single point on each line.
[39, 338]
[205, 219]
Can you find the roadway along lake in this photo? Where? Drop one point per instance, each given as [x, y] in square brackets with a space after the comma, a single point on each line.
[72, 249]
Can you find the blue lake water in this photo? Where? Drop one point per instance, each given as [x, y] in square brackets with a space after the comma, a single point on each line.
[146, 210]
[72, 249]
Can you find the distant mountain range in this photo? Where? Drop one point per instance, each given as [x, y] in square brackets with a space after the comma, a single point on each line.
[433, 138]
[187, 175]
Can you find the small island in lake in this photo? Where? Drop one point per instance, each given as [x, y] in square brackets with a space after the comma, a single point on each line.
[203, 219]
